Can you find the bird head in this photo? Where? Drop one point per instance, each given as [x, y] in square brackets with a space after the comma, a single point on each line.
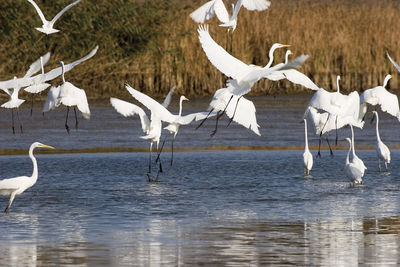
[37, 144]
[184, 98]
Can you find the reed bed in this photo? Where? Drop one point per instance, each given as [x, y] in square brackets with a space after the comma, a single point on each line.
[153, 45]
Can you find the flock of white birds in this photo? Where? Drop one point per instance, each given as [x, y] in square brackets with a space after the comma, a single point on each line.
[326, 111]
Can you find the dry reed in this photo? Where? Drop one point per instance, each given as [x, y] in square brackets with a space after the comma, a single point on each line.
[153, 44]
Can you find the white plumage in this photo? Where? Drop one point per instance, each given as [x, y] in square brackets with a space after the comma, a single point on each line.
[352, 170]
[382, 150]
[307, 156]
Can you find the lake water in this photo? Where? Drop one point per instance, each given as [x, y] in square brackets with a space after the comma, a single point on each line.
[233, 208]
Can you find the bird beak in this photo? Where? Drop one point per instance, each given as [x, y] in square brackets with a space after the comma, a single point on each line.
[283, 45]
[186, 99]
[46, 146]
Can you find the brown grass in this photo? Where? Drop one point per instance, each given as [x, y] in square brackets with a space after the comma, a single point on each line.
[153, 44]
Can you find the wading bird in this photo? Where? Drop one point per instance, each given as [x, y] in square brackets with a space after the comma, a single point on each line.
[379, 96]
[17, 185]
[307, 156]
[47, 26]
[382, 151]
[14, 103]
[353, 171]
[355, 159]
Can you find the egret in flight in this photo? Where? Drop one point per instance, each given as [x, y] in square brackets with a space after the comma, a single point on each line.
[47, 26]
[14, 103]
[17, 185]
[382, 150]
[379, 96]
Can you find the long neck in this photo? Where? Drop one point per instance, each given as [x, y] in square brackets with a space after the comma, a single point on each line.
[41, 64]
[180, 107]
[386, 80]
[62, 72]
[348, 154]
[271, 57]
[337, 83]
[35, 168]
[305, 135]
[378, 138]
[287, 56]
[352, 140]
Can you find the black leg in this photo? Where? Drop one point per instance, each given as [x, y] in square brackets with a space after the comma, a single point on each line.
[20, 124]
[76, 119]
[172, 151]
[330, 149]
[234, 112]
[66, 121]
[201, 123]
[12, 121]
[32, 104]
[162, 146]
[319, 145]
[336, 131]
[216, 124]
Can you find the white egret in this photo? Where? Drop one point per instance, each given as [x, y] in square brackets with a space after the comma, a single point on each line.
[292, 75]
[48, 76]
[72, 96]
[38, 86]
[307, 156]
[382, 150]
[245, 113]
[379, 96]
[355, 159]
[393, 62]
[353, 171]
[207, 11]
[244, 76]
[17, 185]
[47, 26]
[14, 103]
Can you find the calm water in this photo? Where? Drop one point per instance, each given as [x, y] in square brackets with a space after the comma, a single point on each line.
[220, 207]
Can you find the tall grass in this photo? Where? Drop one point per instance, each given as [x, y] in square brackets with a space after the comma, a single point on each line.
[153, 45]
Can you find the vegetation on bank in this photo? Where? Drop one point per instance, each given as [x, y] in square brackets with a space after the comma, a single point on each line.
[153, 45]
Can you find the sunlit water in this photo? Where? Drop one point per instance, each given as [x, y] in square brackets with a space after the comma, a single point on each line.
[236, 208]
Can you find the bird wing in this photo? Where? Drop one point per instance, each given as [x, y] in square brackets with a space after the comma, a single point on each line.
[52, 100]
[393, 62]
[63, 11]
[40, 78]
[168, 98]
[157, 110]
[222, 60]
[37, 88]
[326, 101]
[203, 13]
[70, 95]
[220, 11]
[297, 77]
[40, 13]
[237, 9]
[380, 96]
[37, 65]
[258, 5]
[127, 109]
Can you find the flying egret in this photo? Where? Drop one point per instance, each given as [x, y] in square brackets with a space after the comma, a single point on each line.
[17, 185]
[307, 156]
[355, 159]
[245, 113]
[14, 103]
[382, 150]
[292, 75]
[379, 96]
[243, 76]
[38, 86]
[48, 76]
[353, 171]
[207, 11]
[47, 26]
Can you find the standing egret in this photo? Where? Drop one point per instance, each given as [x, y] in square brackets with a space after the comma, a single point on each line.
[382, 150]
[355, 159]
[47, 26]
[17, 185]
[14, 103]
[379, 96]
[353, 171]
[307, 156]
[72, 96]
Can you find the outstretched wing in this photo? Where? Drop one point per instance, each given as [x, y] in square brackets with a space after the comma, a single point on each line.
[52, 100]
[157, 110]
[40, 13]
[380, 96]
[168, 98]
[37, 65]
[393, 62]
[222, 60]
[207, 11]
[63, 11]
[258, 5]
[127, 109]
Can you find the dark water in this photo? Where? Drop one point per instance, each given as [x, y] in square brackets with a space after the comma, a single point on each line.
[234, 208]
[237, 208]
